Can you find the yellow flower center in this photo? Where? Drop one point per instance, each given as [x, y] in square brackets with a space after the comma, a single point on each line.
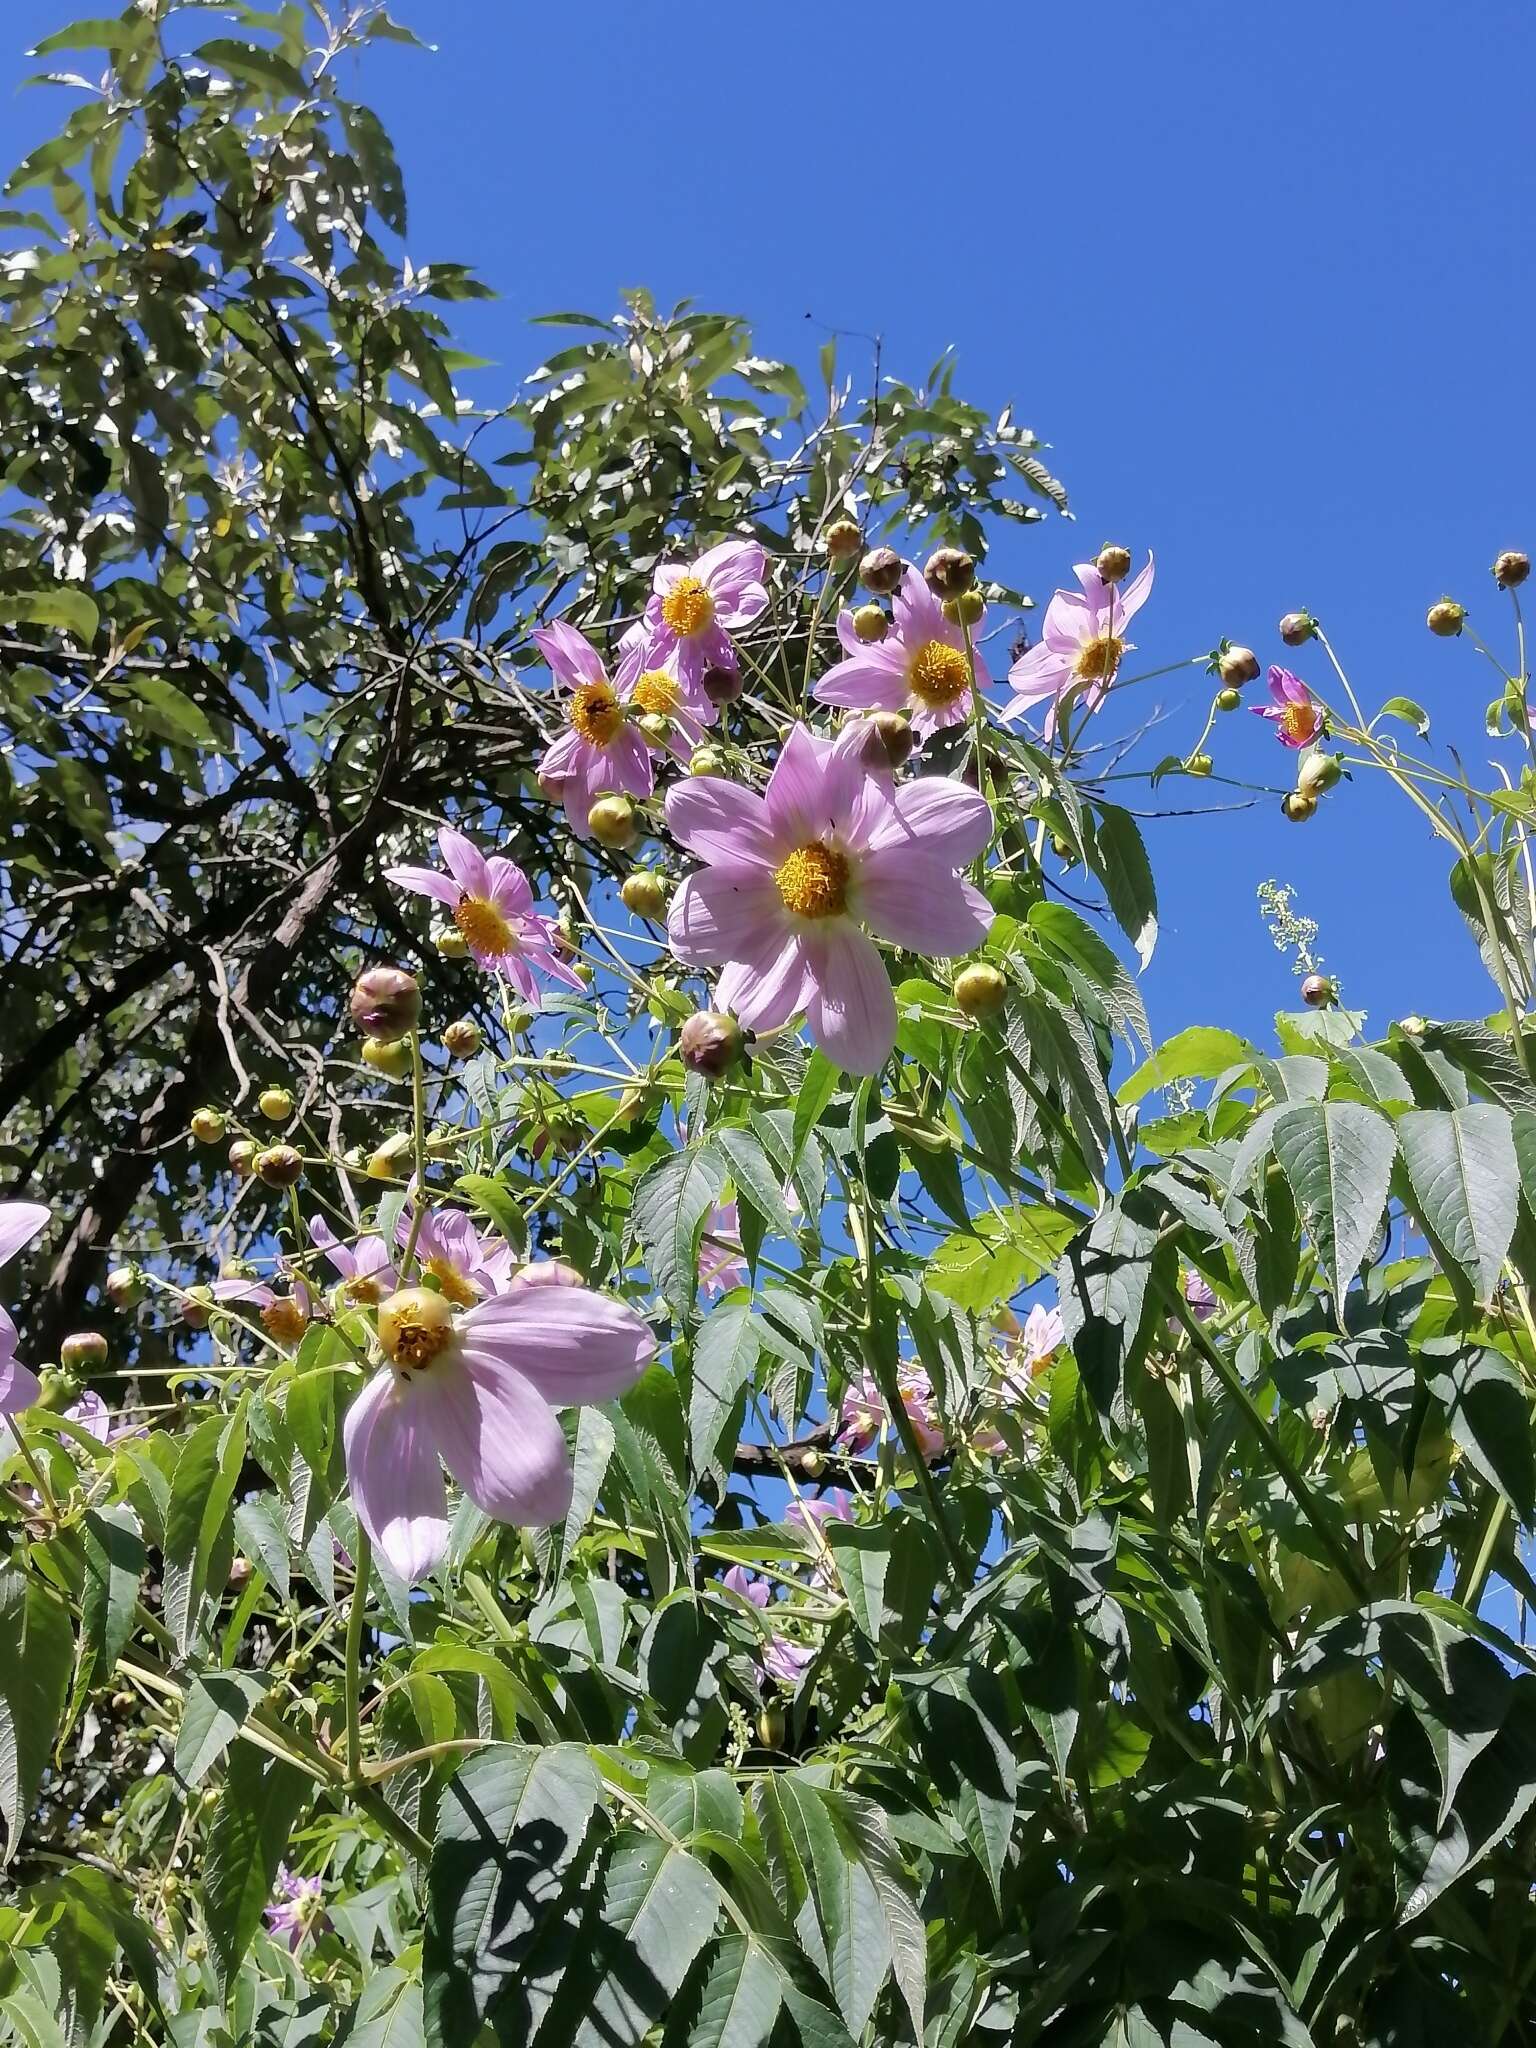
[657, 692]
[452, 1282]
[483, 926]
[595, 713]
[938, 674]
[1298, 722]
[285, 1320]
[1097, 659]
[366, 1289]
[688, 607]
[415, 1327]
[813, 882]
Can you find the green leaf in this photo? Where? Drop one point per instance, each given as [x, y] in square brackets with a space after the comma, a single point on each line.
[114, 1562]
[37, 1650]
[754, 1179]
[1409, 712]
[217, 1705]
[198, 1516]
[657, 1909]
[1465, 1179]
[667, 1215]
[1337, 1157]
[254, 64]
[1102, 1282]
[741, 1998]
[1198, 1054]
[1119, 859]
[388, 2013]
[54, 604]
[368, 142]
[980, 1267]
[821, 1083]
[160, 708]
[511, 1824]
[724, 1353]
[495, 1201]
[260, 1801]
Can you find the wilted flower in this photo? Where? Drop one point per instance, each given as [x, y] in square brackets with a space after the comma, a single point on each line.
[920, 667]
[1082, 643]
[1293, 711]
[693, 610]
[864, 1412]
[792, 877]
[721, 1264]
[602, 750]
[479, 1391]
[491, 903]
[366, 1268]
[295, 1908]
[284, 1317]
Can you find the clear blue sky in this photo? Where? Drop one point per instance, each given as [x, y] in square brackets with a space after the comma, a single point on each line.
[1260, 276]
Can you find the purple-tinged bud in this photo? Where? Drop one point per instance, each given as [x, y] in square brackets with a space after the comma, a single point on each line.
[124, 1286]
[711, 1043]
[1113, 564]
[547, 1273]
[889, 739]
[280, 1166]
[83, 1351]
[242, 1158]
[461, 1039]
[1237, 666]
[1511, 569]
[721, 685]
[1317, 991]
[1297, 628]
[386, 1003]
[881, 571]
[949, 572]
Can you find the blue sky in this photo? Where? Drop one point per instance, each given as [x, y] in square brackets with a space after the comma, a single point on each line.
[1260, 277]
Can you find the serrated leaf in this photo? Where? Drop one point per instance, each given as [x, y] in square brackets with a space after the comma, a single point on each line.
[37, 1649]
[667, 1215]
[217, 1705]
[1198, 1054]
[725, 1351]
[1119, 859]
[246, 1839]
[1465, 1179]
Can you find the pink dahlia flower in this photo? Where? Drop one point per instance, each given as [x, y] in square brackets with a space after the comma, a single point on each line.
[836, 1505]
[492, 905]
[284, 1317]
[478, 1391]
[1082, 643]
[366, 1268]
[658, 688]
[601, 754]
[1200, 1296]
[864, 1412]
[758, 1591]
[721, 1264]
[920, 667]
[464, 1265]
[1024, 1351]
[693, 609]
[1294, 712]
[296, 1907]
[19, 1385]
[786, 1663]
[793, 877]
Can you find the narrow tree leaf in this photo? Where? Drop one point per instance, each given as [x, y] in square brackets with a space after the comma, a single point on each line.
[37, 1649]
[245, 1843]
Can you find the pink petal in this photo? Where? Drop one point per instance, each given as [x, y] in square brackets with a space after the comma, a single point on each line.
[425, 882]
[464, 862]
[570, 655]
[917, 612]
[498, 1438]
[1130, 598]
[719, 820]
[766, 995]
[851, 1009]
[19, 1386]
[570, 1343]
[19, 1224]
[727, 913]
[393, 1473]
[815, 784]
[563, 755]
[941, 817]
[868, 681]
[510, 890]
[918, 902]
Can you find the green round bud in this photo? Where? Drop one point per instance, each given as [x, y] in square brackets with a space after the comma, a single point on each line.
[208, 1126]
[842, 539]
[980, 990]
[388, 1056]
[276, 1105]
[1199, 764]
[1446, 619]
[1297, 806]
[1318, 773]
[966, 609]
[870, 624]
[614, 822]
[645, 894]
[461, 1039]
[705, 761]
[1228, 699]
[451, 942]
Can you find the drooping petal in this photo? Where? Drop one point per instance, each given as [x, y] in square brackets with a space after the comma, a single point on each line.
[498, 1437]
[393, 1473]
[569, 1343]
[1132, 596]
[850, 1006]
[914, 900]
[20, 1222]
[726, 913]
[721, 821]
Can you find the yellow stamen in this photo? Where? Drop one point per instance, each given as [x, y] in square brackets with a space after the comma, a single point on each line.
[595, 713]
[452, 1283]
[1097, 659]
[938, 674]
[688, 607]
[415, 1327]
[657, 692]
[483, 926]
[285, 1320]
[366, 1289]
[813, 882]
[1298, 722]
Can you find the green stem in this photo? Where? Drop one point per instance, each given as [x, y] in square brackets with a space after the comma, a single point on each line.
[354, 1657]
[1473, 1575]
[419, 1133]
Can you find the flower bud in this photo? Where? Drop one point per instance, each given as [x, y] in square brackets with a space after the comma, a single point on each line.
[1446, 618]
[1511, 569]
[614, 823]
[280, 1166]
[1297, 807]
[546, 1273]
[1228, 700]
[980, 990]
[842, 539]
[124, 1286]
[461, 1038]
[889, 739]
[242, 1158]
[1199, 764]
[645, 894]
[1296, 628]
[705, 761]
[652, 727]
[1317, 991]
[949, 571]
[565, 942]
[1412, 1027]
[881, 571]
[812, 1463]
[520, 1021]
[208, 1126]
[966, 609]
[83, 1351]
[721, 685]
[276, 1105]
[451, 942]
[1318, 773]
[57, 1390]
[196, 1307]
[386, 1003]
[1237, 666]
[711, 1043]
[390, 1056]
[771, 1727]
[1113, 564]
